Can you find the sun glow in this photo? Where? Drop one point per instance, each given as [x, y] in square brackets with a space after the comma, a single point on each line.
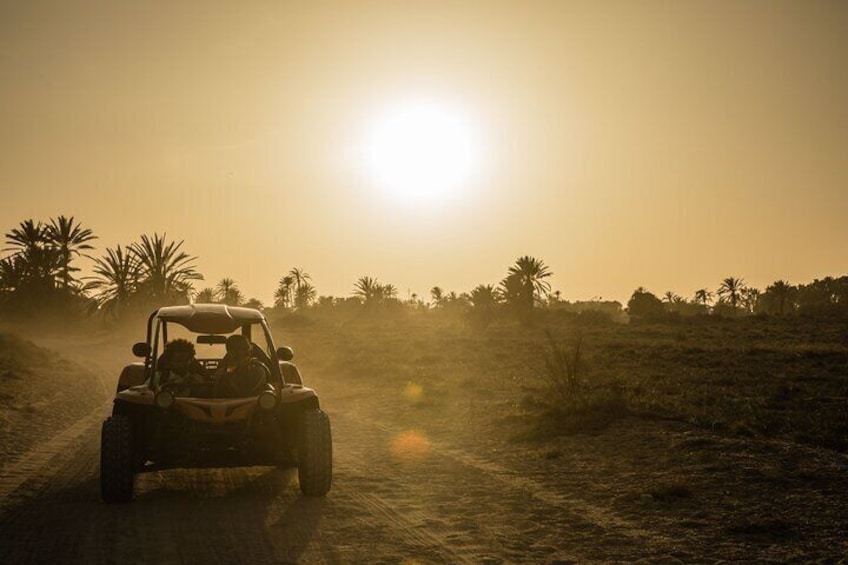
[422, 153]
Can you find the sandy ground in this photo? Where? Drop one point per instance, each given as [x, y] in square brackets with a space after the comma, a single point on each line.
[414, 484]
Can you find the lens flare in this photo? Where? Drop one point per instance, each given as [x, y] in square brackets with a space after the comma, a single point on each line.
[410, 446]
[413, 392]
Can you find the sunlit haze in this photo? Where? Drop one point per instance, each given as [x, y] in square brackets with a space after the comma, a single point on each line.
[421, 153]
[424, 281]
[661, 144]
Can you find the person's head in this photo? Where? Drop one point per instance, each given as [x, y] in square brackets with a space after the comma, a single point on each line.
[238, 349]
[179, 354]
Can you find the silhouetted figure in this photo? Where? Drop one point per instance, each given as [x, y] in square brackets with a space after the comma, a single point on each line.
[179, 369]
[240, 374]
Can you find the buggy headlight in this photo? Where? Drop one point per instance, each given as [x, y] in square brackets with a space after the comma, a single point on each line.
[164, 399]
[267, 400]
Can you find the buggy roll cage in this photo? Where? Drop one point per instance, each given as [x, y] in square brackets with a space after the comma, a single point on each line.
[241, 320]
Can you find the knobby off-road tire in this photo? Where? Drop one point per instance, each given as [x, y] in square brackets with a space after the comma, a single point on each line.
[315, 454]
[116, 460]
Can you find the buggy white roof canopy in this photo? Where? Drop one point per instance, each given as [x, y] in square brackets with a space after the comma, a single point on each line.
[210, 318]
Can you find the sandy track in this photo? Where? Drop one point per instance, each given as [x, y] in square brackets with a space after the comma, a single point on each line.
[442, 506]
[601, 517]
[409, 495]
[381, 509]
[36, 463]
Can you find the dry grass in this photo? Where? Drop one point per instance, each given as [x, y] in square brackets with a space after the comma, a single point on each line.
[678, 461]
[17, 354]
[768, 377]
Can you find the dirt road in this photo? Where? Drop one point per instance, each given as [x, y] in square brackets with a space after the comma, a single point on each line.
[397, 498]
[422, 488]
[385, 507]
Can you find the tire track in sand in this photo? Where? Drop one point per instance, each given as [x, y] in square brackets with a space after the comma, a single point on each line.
[597, 515]
[432, 503]
[38, 464]
[407, 528]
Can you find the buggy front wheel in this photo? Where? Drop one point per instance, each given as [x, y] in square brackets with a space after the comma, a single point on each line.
[315, 454]
[116, 460]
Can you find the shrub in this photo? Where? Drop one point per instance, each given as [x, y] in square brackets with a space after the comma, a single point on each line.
[573, 404]
[645, 305]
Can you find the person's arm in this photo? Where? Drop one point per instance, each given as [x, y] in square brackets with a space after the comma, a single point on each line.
[259, 377]
[221, 381]
[162, 368]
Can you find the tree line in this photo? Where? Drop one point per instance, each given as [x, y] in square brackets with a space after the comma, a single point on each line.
[39, 274]
[733, 297]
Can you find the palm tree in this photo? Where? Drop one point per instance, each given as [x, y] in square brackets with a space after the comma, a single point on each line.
[304, 292]
[26, 237]
[205, 296]
[703, 296]
[283, 295]
[254, 303]
[304, 295]
[389, 292]
[12, 273]
[511, 291]
[115, 282]
[165, 270]
[438, 296]
[529, 274]
[750, 299]
[483, 296]
[300, 277]
[732, 288]
[227, 292]
[669, 297]
[368, 290]
[780, 292]
[672, 301]
[483, 300]
[69, 238]
[37, 262]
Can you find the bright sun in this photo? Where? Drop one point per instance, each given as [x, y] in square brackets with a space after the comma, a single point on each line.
[422, 153]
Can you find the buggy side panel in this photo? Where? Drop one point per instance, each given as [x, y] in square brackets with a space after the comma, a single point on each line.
[132, 375]
[290, 373]
[293, 394]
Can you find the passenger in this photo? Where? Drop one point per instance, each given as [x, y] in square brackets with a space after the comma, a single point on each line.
[240, 374]
[179, 368]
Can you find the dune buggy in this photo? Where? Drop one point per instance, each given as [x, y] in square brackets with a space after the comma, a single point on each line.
[154, 426]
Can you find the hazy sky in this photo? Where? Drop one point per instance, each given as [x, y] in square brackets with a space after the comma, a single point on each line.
[664, 144]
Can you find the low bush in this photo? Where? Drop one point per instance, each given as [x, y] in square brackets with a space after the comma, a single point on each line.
[573, 404]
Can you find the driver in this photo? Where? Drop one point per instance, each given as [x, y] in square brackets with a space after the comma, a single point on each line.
[240, 374]
[179, 368]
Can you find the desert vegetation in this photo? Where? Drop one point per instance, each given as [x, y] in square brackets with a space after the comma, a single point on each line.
[653, 409]
[755, 376]
[733, 359]
[40, 273]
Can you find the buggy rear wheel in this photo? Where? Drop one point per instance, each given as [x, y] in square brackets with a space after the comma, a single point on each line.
[116, 460]
[315, 454]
